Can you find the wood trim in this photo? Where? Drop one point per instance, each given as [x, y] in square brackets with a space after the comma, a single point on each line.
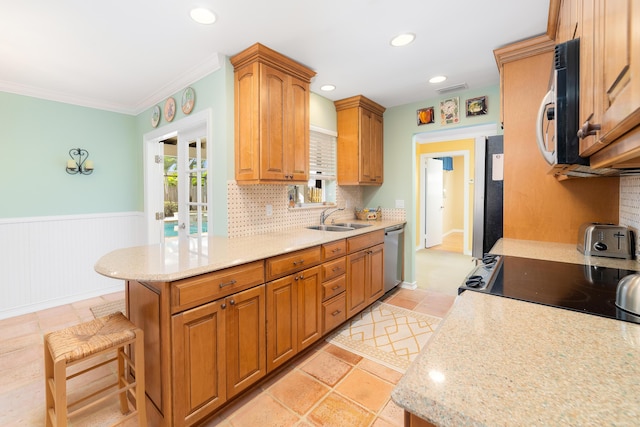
[359, 101]
[622, 150]
[552, 21]
[523, 49]
[260, 53]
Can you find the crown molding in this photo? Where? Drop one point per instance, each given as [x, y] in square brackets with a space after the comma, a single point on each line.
[209, 65]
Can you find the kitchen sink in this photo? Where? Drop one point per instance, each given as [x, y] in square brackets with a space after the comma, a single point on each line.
[352, 225]
[330, 228]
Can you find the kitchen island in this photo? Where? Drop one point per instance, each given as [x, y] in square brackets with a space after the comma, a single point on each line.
[221, 315]
[500, 361]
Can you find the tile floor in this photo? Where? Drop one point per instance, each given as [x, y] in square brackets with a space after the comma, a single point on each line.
[328, 387]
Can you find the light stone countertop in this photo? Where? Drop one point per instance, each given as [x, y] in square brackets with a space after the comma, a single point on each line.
[177, 259]
[497, 361]
[561, 252]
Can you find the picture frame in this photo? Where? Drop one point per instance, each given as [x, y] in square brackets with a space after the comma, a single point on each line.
[425, 116]
[188, 100]
[169, 109]
[476, 106]
[450, 111]
[155, 116]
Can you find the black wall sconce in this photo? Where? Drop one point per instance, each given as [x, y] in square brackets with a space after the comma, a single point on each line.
[79, 163]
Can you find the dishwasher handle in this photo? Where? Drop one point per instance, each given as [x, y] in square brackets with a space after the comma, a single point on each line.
[394, 230]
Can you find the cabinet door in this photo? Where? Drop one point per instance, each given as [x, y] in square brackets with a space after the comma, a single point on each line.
[309, 307]
[590, 74]
[621, 59]
[297, 153]
[273, 123]
[246, 336]
[366, 167]
[247, 123]
[357, 274]
[376, 272]
[282, 321]
[376, 149]
[199, 362]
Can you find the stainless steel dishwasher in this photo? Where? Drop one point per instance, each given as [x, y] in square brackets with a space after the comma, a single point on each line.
[393, 256]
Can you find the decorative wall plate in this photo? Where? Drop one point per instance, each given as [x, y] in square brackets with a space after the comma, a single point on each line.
[188, 100]
[169, 109]
[155, 116]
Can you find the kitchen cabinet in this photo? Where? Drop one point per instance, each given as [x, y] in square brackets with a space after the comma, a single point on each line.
[365, 271]
[271, 95]
[334, 285]
[293, 315]
[199, 359]
[245, 339]
[219, 351]
[360, 141]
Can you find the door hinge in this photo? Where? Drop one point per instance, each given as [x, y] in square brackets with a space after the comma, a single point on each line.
[159, 215]
[159, 159]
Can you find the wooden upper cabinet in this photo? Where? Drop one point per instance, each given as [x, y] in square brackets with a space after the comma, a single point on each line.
[610, 84]
[271, 117]
[360, 141]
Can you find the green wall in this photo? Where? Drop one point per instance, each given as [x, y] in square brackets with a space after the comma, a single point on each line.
[400, 127]
[36, 138]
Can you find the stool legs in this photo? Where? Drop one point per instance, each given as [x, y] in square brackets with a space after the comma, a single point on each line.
[141, 404]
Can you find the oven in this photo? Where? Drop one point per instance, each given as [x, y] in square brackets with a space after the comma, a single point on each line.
[585, 288]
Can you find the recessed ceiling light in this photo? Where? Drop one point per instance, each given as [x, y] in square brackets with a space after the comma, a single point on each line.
[403, 39]
[437, 79]
[327, 88]
[202, 15]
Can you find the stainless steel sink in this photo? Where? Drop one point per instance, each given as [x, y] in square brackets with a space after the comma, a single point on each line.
[352, 224]
[330, 228]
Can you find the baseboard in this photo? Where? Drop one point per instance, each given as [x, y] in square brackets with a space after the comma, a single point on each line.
[411, 286]
[31, 308]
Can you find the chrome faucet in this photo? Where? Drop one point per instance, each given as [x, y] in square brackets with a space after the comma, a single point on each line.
[324, 215]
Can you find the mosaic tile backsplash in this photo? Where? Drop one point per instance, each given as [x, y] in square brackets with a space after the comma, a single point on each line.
[247, 209]
[630, 205]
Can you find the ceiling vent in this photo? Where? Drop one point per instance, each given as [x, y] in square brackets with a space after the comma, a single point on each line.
[454, 88]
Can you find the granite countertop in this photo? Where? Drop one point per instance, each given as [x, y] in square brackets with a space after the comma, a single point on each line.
[497, 361]
[179, 259]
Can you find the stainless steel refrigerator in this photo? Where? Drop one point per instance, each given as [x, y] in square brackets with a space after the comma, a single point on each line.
[489, 194]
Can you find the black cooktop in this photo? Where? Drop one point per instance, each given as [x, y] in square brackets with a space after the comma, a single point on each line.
[584, 288]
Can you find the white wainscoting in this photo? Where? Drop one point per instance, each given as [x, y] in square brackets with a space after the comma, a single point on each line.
[48, 261]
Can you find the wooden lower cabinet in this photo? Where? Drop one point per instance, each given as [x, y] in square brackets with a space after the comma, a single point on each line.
[365, 278]
[218, 351]
[411, 420]
[199, 361]
[294, 318]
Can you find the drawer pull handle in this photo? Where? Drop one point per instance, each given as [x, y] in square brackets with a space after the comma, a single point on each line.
[336, 287]
[222, 285]
[335, 313]
[298, 262]
[336, 250]
[336, 269]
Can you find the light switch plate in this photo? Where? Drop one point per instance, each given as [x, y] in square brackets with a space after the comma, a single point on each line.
[400, 204]
[269, 210]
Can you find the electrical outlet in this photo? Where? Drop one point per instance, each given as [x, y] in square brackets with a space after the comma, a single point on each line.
[269, 210]
[399, 204]
[347, 204]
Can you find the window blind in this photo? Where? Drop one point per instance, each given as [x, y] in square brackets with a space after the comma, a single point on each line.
[322, 156]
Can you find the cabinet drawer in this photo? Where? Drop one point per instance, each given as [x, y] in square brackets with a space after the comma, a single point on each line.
[197, 290]
[354, 244]
[334, 249]
[290, 263]
[333, 287]
[334, 268]
[334, 312]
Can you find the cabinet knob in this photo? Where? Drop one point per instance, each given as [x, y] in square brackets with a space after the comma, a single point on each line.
[223, 306]
[588, 129]
[232, 302]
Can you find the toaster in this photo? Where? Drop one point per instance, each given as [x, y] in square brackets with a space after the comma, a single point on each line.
[606, 240]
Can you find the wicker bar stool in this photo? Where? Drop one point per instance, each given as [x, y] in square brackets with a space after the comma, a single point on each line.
[106, 336]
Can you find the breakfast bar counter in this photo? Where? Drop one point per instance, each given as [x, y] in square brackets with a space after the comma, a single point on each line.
[497, 361]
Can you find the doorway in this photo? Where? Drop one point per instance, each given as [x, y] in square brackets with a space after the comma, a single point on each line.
[176, 191]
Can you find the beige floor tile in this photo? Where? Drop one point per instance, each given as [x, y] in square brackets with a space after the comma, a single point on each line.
[264, 411]
[365, 389]
[326, 368]
[392, 413]
[337, 411]
[436, 304]
[380, 371]
[342, 354]
[298, 391]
